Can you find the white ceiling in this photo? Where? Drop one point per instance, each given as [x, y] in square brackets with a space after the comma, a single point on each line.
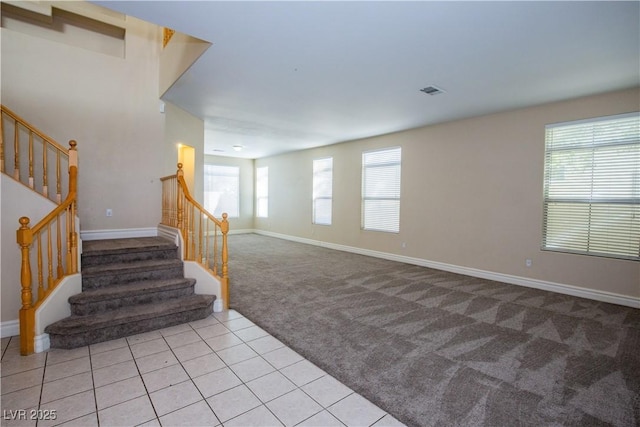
[283, 76]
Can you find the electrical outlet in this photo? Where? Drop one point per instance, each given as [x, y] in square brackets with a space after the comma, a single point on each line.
[528, 262]
[109, 212]
[404, 245]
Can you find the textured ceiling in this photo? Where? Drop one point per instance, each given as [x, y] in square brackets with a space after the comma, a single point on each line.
[283, 76]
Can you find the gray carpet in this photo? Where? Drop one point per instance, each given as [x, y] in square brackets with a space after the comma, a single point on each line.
[440, 349]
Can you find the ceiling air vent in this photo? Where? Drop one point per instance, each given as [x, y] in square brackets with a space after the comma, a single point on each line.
[432, 90]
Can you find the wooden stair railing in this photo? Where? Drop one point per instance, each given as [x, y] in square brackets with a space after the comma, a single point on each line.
[45, 158]
[204, 236]
[58, 232]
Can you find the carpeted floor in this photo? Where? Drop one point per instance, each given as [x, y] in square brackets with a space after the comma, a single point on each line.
[440, 349]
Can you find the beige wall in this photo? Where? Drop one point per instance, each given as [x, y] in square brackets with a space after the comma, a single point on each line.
[245, 221]
[183, 128]
[471, 196]
[109, 105]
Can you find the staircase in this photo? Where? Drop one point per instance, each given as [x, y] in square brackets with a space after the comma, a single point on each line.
[129, 286]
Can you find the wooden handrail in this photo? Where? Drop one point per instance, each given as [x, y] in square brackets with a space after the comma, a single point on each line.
[62, 217]
[73, 176]
[37, 140]
[34, 129]
[179, 210]
[198, 206]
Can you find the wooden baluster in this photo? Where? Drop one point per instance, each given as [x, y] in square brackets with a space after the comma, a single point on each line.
[45, 179]
[68, 234]
[16, 153]
[185, 225]
[24, 236]
[170, 201]
[60, 269]
[73, 185]
[40, 275]
[74, 240]
[193, 234]
[200, 231]
[179, 218]
[30, 159]
[164, 203]
[215, 251]
[174, 204]
[49, 260]
[1, 143]
[207, 238]
[224, 284]
[188, 217]
[58, 183]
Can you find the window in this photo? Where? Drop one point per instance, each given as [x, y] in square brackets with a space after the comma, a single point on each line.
[262, 192]
[381, 190]
[222, 190]
[592, 187]
[322, 190]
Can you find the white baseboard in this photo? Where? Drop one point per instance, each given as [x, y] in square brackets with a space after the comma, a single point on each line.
[118, 233]
[483, 274]
[41, 343]
[167, 232]
[10, 328]
[242, 231]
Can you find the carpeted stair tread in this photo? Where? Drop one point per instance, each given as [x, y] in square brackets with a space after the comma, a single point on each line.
[128, 267]
[130, 289]
[113, 318]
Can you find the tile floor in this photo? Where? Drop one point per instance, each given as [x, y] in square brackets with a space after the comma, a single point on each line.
[222, 370]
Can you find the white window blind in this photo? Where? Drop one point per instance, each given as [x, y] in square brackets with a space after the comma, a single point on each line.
[222, 190]
[322, 190]
[592, 187]
[262, 192]
[381, 190]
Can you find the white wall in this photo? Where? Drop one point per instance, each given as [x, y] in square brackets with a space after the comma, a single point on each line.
[471, 196]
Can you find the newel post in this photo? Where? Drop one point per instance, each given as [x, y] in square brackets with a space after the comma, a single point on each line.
[72, 240]
[224, 228]
[73, 153]
[24, 236]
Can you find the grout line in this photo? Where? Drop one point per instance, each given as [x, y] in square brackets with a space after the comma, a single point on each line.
[93, 383]
[44, 372]
[135, 362]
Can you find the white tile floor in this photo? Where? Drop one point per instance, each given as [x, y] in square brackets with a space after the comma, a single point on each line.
[223, 370]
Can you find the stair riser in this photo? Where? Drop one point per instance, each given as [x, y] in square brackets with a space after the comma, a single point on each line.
[91, 260]
[127, 329]
[107, 279]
